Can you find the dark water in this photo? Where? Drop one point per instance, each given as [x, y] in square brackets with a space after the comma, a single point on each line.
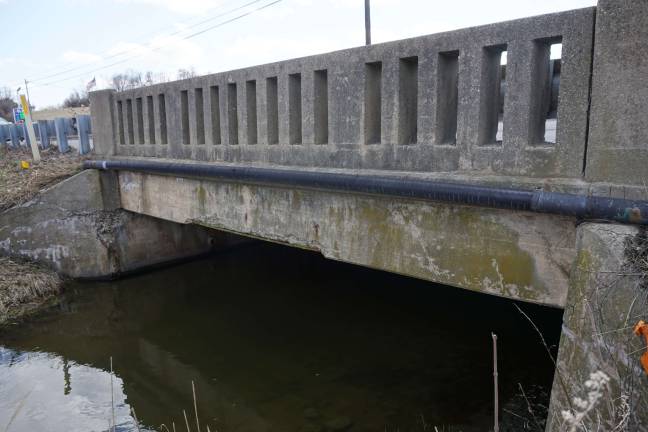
[275, 339]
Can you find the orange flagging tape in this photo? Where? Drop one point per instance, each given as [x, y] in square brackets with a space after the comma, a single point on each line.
[641, 329]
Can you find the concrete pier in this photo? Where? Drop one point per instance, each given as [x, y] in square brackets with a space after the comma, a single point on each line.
[607, 295]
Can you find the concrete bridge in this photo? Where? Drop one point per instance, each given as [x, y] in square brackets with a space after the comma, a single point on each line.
[425, 157]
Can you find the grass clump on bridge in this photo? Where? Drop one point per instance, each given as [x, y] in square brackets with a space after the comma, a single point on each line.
[19, 185]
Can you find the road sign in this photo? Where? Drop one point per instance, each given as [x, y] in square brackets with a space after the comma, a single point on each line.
[19, 115]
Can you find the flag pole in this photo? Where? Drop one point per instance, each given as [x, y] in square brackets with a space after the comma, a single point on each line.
[367, 22]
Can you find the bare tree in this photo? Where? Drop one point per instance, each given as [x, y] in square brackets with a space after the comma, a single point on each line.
[119, 82]
[7, 104]
[187, 73]
[126, 80]
[148, 78]
[132, 79]
[135, 79]
[151, 78]
[77, 99]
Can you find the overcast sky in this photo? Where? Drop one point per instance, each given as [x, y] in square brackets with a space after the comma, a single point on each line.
[61, 45]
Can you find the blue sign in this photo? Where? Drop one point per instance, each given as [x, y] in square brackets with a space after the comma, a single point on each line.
[19, 116]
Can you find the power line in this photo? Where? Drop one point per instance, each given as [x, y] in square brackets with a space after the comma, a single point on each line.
[234, 19]
[42, 78]
[165, 45]
[126, 51]
[155, 34]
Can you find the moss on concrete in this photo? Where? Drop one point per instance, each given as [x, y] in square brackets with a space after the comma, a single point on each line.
[513, 254]
[201, 196]
[481, 259]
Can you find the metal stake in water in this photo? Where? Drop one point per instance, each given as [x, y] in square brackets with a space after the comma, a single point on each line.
[495, 386]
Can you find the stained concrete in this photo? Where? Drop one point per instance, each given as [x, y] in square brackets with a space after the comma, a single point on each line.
[607, 296]
[103, 132]
[512, 254]
[407, 106]
[384, 116]
[77, 228]
[618, 136]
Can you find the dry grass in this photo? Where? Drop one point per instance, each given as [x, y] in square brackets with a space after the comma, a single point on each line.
[24, 286]
[19, 185]
[636, 254]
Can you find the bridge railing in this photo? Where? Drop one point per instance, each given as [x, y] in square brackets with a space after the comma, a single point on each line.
[437, 103]
[67, 132]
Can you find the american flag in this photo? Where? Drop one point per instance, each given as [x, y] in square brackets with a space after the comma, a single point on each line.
[91, 84]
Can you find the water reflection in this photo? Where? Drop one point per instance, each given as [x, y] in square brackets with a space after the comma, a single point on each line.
[275, 339]
[43, 391]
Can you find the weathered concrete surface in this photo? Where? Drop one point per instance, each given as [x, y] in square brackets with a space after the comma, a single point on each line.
[366, 132]
[512, 254]
[76, 228]
[617, 150]
[607, 296]
[372, 93]
[103, 132]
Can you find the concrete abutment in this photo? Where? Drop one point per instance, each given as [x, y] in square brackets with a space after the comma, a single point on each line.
[608, 294]
[79, 229]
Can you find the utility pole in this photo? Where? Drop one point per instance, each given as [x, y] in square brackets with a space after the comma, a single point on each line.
[367, 22]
